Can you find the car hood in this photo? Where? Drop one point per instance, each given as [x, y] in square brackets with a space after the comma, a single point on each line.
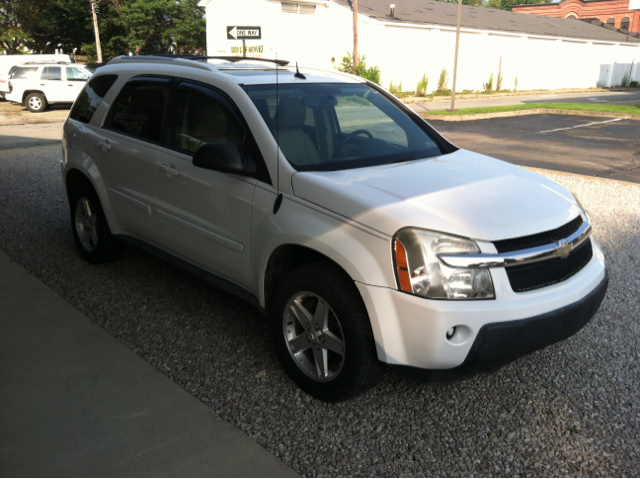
[462, 193]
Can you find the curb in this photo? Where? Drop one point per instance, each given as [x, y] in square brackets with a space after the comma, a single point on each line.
[586, 177]
[536, 111]
[21, 120]
[426, 99]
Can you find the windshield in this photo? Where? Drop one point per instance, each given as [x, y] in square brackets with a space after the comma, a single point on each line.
[333, 126]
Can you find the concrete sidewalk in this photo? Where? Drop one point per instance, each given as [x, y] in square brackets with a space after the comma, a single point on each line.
[74, 401]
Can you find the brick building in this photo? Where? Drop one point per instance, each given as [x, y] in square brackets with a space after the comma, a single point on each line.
[620, 14]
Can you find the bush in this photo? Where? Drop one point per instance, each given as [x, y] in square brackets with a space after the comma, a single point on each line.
[395, 88]
[625, 80]
[443, 80]
[515, 86]
[634, 84]
[372, 73]
[421, 89]
[488, 87]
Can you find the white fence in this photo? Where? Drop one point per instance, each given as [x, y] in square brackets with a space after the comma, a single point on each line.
[405, 52]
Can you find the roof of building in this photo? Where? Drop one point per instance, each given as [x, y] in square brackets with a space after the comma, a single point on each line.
[431, 12]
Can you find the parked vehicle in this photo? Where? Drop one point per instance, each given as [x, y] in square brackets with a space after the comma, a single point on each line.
[36, 85]
[366, 236]
[9, 61]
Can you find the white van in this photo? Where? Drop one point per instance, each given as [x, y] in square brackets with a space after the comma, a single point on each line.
[9, 61]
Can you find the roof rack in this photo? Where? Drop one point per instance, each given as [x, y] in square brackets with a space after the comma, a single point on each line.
[282, 63]
[41, 62]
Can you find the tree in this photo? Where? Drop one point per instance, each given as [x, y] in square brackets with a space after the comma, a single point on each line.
[17, 18]
[162, 26]
[507, 4]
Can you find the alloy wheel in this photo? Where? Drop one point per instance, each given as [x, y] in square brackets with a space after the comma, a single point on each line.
[86, 224]
[314, 336]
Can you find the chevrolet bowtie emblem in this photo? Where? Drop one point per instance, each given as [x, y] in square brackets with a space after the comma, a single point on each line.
[564, 248]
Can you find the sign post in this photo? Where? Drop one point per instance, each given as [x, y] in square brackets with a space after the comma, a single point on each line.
[244, 33]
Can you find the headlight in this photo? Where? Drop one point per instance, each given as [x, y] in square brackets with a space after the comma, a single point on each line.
[419, 271]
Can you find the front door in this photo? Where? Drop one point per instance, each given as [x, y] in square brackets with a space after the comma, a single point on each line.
[76, 79]
[205, 215]
[52, 85]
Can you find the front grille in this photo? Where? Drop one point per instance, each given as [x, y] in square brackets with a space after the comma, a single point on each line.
[528, 277]
[539, 239]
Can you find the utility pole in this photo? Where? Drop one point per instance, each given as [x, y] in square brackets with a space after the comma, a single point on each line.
[355, 35]
[95, 26]
[455, 61]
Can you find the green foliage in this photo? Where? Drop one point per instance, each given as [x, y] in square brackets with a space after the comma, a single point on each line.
[515, 85]
[625, 80]
[443, 81]
[634, 84]
[421, 89]
[473, 3]
[635, 110]
[372, 73]
[91, 51]
[499, 81]
[395, 88]
[507, 4]
[488, 87]
[17, 18]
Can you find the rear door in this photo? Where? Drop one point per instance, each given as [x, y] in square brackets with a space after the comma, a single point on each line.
[125, 151]
[52, 85]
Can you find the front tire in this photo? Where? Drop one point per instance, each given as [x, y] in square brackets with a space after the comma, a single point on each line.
[90, 228]
[323, 334]
[36, 102]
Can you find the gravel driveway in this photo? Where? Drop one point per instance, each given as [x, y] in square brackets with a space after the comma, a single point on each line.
[571, 409]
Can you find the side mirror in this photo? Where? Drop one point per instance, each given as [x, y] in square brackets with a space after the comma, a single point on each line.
[224, 157]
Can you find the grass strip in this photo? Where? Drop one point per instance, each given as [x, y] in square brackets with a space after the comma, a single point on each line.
[551, 106]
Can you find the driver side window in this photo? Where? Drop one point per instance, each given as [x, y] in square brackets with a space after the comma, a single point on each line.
[202, 119]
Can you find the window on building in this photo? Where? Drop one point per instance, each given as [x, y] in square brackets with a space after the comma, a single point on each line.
[299, 8]
[611, 22]
[624, 24]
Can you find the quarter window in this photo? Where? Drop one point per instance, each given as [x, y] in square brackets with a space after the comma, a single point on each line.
[25, 73]
[90, 98]
[140, 107]
[51, 73]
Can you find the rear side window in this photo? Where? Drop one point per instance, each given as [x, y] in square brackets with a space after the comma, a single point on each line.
[51, 73]
[139, 108]
[90, 98]
[75, 74]
[25, 73]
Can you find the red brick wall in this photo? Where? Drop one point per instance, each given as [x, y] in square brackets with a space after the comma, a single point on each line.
[603, 11]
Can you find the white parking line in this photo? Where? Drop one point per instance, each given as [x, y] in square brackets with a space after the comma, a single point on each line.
[599, 100]
[579, 126]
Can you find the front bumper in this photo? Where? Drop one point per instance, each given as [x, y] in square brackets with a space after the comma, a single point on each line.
[500, 343]
[411, 331]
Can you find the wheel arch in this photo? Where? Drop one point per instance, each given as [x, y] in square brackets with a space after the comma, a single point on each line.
[26, 93]
[287, 258]
[75, 176]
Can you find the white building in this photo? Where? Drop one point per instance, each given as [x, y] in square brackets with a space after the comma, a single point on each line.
[419, 36]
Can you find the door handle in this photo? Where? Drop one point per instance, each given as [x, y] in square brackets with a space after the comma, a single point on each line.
[41, 84]
[170, 170]
[105, 145]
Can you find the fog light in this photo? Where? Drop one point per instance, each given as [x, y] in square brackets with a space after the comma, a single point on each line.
[451, 332]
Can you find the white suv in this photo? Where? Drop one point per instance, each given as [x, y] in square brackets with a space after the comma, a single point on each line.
[36, 84]
[366, 236]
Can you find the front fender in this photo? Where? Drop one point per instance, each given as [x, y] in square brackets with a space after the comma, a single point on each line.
[364, 254]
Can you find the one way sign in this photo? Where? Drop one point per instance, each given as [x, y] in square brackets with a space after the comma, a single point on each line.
[244, 33]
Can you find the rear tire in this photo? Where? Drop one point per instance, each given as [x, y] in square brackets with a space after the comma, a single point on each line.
[90, 228]
[323, 334]
[36, 102]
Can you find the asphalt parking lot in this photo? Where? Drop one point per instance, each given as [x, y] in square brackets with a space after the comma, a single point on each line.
[602, 147]
[572, 409]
